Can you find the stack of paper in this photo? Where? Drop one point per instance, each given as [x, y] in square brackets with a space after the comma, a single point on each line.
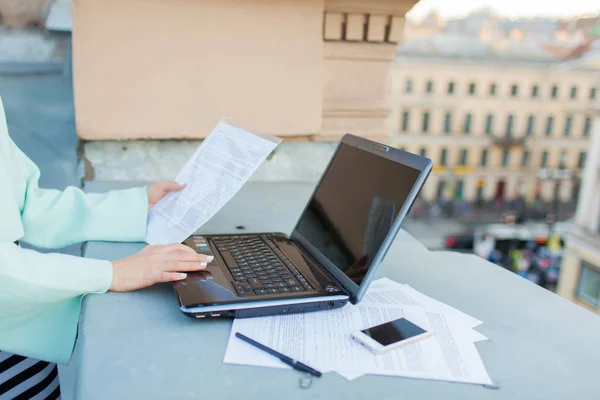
[323, 339]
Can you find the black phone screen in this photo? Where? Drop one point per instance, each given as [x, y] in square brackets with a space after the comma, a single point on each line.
[393, 331]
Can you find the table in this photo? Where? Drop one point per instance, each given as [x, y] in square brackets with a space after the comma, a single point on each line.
[139, 346]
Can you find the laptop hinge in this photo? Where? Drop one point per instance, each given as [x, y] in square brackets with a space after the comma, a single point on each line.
[321, 266]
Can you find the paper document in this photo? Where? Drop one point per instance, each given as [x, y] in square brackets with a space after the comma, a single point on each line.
[386, 291]
[218, 169]
[323, 341]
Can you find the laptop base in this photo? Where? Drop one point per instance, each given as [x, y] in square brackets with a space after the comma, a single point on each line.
[259, 309]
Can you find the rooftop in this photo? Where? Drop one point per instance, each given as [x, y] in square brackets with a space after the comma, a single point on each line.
[460, 46]
[527, 53]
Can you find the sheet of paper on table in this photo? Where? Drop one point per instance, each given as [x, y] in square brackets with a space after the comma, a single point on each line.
[213, 175]
[322, 340]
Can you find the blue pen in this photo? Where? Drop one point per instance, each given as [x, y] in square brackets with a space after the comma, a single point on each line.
[297, 365]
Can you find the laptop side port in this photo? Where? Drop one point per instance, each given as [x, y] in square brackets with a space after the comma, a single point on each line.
[215, 314]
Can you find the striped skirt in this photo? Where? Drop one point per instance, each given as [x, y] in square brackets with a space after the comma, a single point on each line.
[24, 378]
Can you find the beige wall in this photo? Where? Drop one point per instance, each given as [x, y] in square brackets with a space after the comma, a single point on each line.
[173, 69]
[479, 105]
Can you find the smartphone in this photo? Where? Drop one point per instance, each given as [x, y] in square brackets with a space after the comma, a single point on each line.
[391, 335]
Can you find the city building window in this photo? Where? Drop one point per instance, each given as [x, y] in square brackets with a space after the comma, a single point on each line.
[444, 157]
[593, 93]
[425, 121]
[535, 91]
[489, 124]
[484, 157]
[459, 189]
[467, 127]
[448, 123]
[549, 123]
[568, 125]
[544, 163]
[582, 158]
[525, 159]
[530, 125]
[405, 121]
[562, 163]
[472, 88]
[514, 90]
[464, 157]
[423, 152]
[588, 288]
[587, 125]
[450, 87]
[554, 92]
[493, 89]
[408, 88]
[505, 158]
[509, 125]
[574, 92]
[429, 87]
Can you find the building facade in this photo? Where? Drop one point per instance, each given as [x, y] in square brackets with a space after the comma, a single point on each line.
[499, 127]
[580, 272]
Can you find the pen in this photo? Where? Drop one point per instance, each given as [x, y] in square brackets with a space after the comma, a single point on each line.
[297, 365]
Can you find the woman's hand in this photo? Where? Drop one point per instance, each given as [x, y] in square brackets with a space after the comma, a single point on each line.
[156, 264]
[158, 190]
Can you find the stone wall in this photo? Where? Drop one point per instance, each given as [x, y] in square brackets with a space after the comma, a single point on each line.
[151, 160]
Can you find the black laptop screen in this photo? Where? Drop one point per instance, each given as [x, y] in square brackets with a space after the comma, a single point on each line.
[355, 207]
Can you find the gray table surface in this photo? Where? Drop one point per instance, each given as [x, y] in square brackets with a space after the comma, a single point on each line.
[139, 346]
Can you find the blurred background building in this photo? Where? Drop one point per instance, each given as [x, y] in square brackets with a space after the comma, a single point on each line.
[494, 105]
[580, 270]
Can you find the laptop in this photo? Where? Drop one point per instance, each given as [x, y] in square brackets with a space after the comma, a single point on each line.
[332, 254]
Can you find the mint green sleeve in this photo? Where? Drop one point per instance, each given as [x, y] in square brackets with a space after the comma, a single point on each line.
[41, 294]
[40, 300]
[54, 219]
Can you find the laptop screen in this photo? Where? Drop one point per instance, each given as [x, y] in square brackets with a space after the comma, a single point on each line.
[354, 208]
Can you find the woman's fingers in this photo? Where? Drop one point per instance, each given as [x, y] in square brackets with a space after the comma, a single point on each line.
[198, 258]
[183, 266]
[171, 277]
[156, 264]
[168, 186]
[193, 257]
[177, 247]
[180, 252]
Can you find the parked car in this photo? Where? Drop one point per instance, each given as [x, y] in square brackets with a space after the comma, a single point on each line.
[461, 242]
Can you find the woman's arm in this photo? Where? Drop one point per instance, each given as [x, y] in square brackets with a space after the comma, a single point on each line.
[53, 219]
[40, 294]
[40, 300]
[49, 278]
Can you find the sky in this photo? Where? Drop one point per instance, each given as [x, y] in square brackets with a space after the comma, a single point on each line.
[507, 8]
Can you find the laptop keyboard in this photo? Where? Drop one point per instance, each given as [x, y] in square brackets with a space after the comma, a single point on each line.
[257, 269]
